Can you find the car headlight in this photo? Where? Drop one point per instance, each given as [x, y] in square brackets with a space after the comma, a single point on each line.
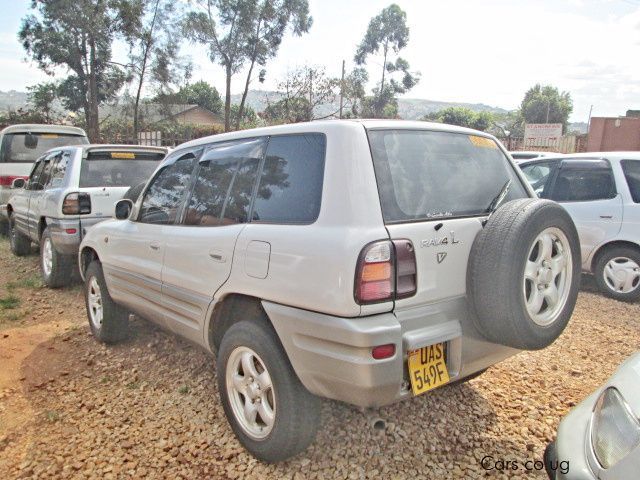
[615, 432]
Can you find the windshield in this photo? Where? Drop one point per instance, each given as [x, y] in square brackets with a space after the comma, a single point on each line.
[27, 147]
[101, 171]
[425, 175]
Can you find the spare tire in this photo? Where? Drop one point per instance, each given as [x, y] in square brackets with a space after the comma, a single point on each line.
[134, 192]
[524, 273]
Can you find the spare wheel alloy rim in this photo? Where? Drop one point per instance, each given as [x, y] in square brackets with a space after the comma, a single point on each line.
[250, 392]
[547, 276]
[622, 275]
[94, 301]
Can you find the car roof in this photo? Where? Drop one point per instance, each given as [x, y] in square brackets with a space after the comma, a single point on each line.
[43, 128]
[96, 147]
[615, 156]
[321, 126]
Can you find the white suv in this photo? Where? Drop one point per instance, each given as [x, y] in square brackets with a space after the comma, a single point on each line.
[363, 261]
[601, 191]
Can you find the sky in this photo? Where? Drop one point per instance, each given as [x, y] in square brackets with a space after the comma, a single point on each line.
[488, 51]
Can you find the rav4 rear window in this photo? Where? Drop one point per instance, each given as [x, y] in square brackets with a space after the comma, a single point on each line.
[118, 169]
[425, 175]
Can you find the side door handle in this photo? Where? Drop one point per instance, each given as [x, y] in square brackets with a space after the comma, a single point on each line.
[154, 246]
[606, 216]
[217, 256]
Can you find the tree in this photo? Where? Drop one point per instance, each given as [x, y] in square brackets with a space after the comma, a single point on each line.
[154, 45]
[463, 117]
[78, 35]
[302, 92]
[198, 93]
[387, 34]
[269, 23]
[41, 98]
[546, 104]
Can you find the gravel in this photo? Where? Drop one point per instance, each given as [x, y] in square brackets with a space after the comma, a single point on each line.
[149, 407]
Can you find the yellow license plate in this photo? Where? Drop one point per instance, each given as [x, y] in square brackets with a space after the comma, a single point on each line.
[428, 368]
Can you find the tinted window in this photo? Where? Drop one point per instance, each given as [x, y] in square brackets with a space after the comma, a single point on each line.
[46, 173]
[34, 178]
[424, 174]
[166, 191]
[22, 147]
[631, 170]
[59, 169]
[539, 176]
[118, 169]
[290, 187]
[582, 183]
[224, 185]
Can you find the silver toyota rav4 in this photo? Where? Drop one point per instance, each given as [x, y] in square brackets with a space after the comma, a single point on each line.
[363, 261]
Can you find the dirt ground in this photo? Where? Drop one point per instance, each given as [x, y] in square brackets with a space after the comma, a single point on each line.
[72, 408]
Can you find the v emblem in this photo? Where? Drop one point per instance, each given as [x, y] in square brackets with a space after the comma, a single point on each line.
[440, 256]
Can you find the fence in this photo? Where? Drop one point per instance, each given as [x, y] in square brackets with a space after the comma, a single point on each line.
[160, 139]
[565, 144]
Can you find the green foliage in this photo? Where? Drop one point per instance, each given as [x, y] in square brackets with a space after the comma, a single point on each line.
[9, 302]
[241, 32]
[41, 98]
[249, 117]
[546, 104]
[78, 35]
[463, 117]
[387, 34]
[198, 93]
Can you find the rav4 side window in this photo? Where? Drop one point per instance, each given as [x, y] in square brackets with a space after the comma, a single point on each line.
[166, 192]
[539, 175]
[583, 183]
[631, 169]
[290, 188]
[34, 178]
[224, 184]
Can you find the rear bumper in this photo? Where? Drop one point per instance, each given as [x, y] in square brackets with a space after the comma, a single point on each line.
[332, 355]
[66, 234]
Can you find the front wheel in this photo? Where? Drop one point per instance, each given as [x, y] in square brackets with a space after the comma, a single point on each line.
[617, 273]
[108, 321]
[20, 244]
[271, 412]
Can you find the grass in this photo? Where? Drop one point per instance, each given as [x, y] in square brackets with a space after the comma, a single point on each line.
[132, 385]
[183, 390]
[52, 416]
[9, 302]
[32, 281]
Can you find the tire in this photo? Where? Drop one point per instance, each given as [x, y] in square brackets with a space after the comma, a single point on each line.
[108, 321]
[550, 460]
[617, 273]
[524, 308]
[56, 269]
[4, 228]
[20, 244]
[296, 414]
[134, 192]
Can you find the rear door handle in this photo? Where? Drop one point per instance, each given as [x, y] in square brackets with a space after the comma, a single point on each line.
[218, 256]
[606, 216]
[154, 246]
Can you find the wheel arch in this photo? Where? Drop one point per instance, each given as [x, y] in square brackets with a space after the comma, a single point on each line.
[42, 224]
[605, 246]
[230, 309]
[86, 256]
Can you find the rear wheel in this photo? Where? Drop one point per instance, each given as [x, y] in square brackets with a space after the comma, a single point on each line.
[271, 412]
[617, 273]
[108, 321]
[56, 268]
[20, 244]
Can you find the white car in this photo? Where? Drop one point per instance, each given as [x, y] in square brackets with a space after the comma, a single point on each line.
[363, 261]
[21, 145]
[601, 191]
[523, 155]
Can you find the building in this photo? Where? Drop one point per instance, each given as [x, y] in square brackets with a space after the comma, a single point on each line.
[153, 113]
[607, 134]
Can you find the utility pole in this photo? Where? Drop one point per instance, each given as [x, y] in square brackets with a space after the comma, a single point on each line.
[589, 120]
[548, 107]
[342, 89]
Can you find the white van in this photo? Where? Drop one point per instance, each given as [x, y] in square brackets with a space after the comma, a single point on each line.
[21, 145]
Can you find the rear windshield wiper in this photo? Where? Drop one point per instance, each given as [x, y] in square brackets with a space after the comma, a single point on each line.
[497, 200]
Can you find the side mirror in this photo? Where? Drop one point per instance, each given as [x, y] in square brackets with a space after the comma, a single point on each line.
[18, 183]
[123, 209]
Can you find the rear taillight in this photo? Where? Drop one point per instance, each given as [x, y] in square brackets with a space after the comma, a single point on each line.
[386, 270]
[7, 180]
[76, 204]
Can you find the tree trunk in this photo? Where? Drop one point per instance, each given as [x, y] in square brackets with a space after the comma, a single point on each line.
[227, 102]
[244, 95]
[143, 70]
[93, 124]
